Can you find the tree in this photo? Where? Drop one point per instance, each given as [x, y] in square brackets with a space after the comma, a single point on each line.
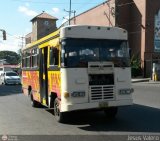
[11, 57]
[136, 66]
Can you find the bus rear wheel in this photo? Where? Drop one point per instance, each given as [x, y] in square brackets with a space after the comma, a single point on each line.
[34, 103]
[60, 116]
[111, 112]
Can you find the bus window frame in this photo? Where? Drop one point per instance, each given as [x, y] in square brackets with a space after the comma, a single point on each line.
[34, 55]
[49, 57]
[26, 55]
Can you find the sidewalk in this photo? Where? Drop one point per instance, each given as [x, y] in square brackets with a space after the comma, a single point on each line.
[137, 80]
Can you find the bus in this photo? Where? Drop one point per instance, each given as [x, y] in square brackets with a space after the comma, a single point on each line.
[78, 67]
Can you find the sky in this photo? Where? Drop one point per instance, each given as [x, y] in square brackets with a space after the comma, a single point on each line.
[15, 16]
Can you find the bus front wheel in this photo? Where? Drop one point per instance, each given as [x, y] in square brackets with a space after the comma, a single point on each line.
[60, 116]
[111, 112]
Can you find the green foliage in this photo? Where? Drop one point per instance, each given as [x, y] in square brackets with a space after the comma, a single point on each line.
[11, 57]
[136, 66]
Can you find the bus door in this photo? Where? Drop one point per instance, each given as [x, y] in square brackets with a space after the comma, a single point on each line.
[43, 76]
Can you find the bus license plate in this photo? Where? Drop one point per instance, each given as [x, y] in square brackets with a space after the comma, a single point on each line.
[103, 104]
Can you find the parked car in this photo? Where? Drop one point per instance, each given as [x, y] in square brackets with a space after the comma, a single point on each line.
[4, 69]
[10, 77]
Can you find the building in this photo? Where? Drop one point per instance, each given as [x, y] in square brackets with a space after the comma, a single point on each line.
[42, 25]
[141, 18]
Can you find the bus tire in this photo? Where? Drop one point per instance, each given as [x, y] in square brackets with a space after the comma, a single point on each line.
[111, 112]
[60, 116]
[34, 103]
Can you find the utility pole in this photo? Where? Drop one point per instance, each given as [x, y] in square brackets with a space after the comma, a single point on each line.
[70, 8]
[21, 43]
[74, 16]
[70, 12]
[22, 38]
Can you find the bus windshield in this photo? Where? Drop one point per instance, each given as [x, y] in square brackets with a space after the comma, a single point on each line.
[78, 52]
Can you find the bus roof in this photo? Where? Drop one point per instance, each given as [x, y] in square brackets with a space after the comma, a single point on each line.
[83, 31]
[93, 32]
[43, 40]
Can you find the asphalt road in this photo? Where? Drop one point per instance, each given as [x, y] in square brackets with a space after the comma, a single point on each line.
[148, 94]
[17, 117]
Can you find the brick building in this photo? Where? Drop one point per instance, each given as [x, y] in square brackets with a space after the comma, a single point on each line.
[42, 25]
[141, 18]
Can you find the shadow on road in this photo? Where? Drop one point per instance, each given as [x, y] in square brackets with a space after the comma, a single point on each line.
[135, 118]
[10, 90]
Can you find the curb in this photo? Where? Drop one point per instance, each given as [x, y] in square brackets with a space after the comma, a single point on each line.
[141, 80]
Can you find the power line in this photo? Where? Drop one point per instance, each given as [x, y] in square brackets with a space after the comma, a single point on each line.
[50, 2]
[11, 44]
[13, 36]
[73, 3]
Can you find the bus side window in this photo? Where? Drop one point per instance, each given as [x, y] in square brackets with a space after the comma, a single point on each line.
[28, 59]
[24, 60]
[53, 56]
[23, 63]
[35, 57]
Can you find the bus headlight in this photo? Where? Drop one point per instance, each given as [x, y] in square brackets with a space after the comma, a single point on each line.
[78, 94]
[125, 91]
[66, 94]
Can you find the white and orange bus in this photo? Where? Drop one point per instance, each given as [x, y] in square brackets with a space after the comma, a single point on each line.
[79, 68]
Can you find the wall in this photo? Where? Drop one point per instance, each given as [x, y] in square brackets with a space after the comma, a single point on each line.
[28, 38]
[40, 29]
[99, 15]
[152, 8]
[137, 17]
[45, 29]
[34, 31]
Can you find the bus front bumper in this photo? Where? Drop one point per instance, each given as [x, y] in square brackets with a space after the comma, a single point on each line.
[95, 105]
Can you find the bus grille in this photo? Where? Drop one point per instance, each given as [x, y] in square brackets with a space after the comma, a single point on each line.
[102, 92]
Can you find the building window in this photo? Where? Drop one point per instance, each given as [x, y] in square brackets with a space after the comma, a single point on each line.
[157, 33]
[46, 23]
